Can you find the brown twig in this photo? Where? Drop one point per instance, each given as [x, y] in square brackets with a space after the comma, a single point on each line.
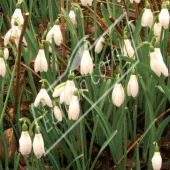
[17, 92]
[134, 144]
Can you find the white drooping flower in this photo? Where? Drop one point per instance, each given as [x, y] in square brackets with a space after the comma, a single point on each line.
[147, 17]
[38, 145]
[99, 45]
[118, 95]
[164, 69]
[128, 49]
[17, 16]
[68, 91]
[25, 142]
[157, 30]
[133, 87]
[156, 64]
[72, 16]
[86, 65]
[86, 2]
[41, 61]
[2, 67]
[43, 97]
[6, 53]
[14, 33]
[74, 108]
[55, 33]
[156, 159]
[57, 113]
[164, 17]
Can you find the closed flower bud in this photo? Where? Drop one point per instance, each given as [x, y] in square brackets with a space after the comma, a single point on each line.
[38, 145]
[44, 98]
[2, 67]
[74, 108]
[118, 95]
[99, 45]
[68, 91]
[133, 87]
[164, 17]
[25, 142]
[86, 65]
[72, 16]
[57, 113]
[41, 62]
[147, 17]
[6, 53]
[128, 49]
[156, 159]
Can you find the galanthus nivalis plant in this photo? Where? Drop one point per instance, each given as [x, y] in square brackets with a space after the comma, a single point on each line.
[25, 142]
[55, 33]
[99, 45]
[86, 65]
[118, 95]
[41, 61]
[164, 16]
[17, 16]
[38, 143]
[156, 159]
[74, 109]
[43, 97]
[156, 64]
[147, 17]
[69, 89]
[133, 87]
[128, 49]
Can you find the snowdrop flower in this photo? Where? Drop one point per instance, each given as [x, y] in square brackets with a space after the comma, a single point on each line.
[86, 65]
[164, 16]
[74, 108]
[133, 87]
[128, 49]
[137, 1]
[147, 17]
[55, 33]
[25, 142]
[72, 16]
[14, 33]
[99, 45]
[43, 97]
[2, 67]
[17, 16]
[157, 30]
[41, 61]
[86, 2]
[58, 90]
[38, 143]
[118, 95]
[69, 89]
[6, 53]
[161, 61]
[156, 159]
[157, 66]
[57, 113]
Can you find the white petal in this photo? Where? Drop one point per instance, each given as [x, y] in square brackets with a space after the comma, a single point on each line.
[6, 53]
[57, 92]
[7, 37]
[57, 113]
[99, 45]
[47, 99]
[154, 63]
[37, 63]
[157, 161]
[84, 2]
[72, 16]
[62, 97]
[38, 98]
[164, 18]
[50, 33]
[147, 18]
[134, 86]
[18, 17]
[2, 67]
[43, 61]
